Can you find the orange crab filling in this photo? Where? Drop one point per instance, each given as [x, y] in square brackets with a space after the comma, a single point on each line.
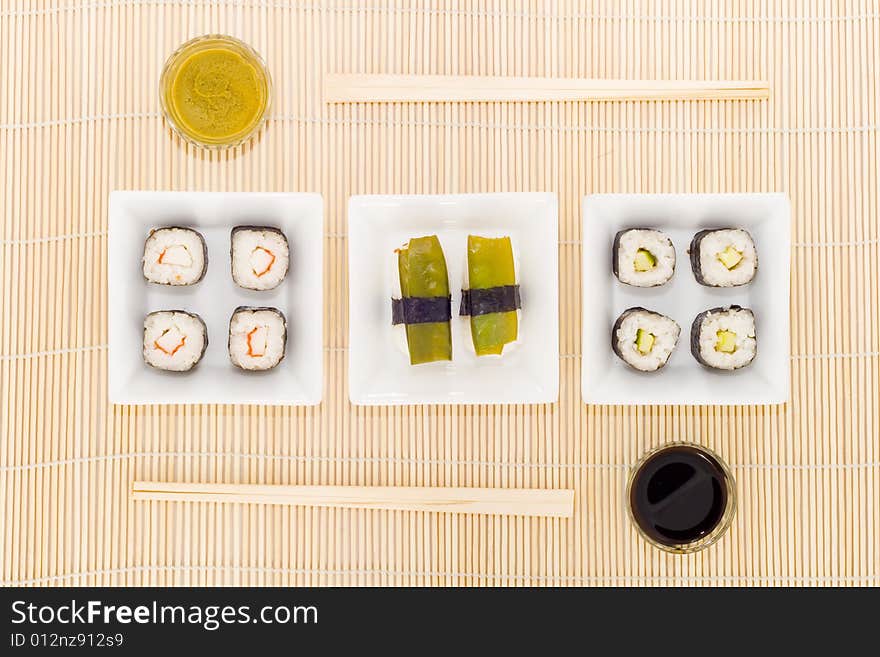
[167, 344]
[262, 260]
[175, 255]
[257, 338]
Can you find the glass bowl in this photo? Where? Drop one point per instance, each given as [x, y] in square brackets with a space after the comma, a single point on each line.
[175, 63]
[723, 523]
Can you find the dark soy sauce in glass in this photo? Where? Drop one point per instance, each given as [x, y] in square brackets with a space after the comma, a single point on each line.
[680, 497]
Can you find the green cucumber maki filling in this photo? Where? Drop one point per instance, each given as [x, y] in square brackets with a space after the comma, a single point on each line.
[644, 260]
[645, 341]
[730, 257]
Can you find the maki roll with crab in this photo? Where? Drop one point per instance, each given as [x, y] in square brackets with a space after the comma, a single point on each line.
[257, 338]
[643, 257]
[174, 340]
[724, 338]
[724, 257]
[423, 307]
[175, 256]
[643, 339]
[492, 299]
[260, 257]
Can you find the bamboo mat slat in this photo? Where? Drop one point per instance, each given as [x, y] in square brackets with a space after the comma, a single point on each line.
[79, 117]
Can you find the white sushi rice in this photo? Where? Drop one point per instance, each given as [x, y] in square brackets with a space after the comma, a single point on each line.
[664, 330]
[657, 244]
[173, 341]
[740, 321]
[257, 338]
[174, 256]
[260, 258]
[713, 271]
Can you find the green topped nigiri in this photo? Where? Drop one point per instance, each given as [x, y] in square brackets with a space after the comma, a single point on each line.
[424, 286]
[493, 297]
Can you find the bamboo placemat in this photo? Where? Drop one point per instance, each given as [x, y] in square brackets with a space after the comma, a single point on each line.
[79, 117]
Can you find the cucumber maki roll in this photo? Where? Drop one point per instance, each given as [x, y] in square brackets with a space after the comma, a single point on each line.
[425, 305]
[643, 257]
[643, 339]
[724, 338]
[724, 257]
[493, 299]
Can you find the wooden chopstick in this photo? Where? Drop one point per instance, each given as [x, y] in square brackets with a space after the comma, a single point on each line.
[499, 501]
[357, 88]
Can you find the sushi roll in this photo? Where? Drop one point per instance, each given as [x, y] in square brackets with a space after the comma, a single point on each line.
[493, 297]
[175, 256]
[424, 306]
[257, 338]
[643, 339]
[724, 257]
[724, 338]
[643, 257]
[174, 340]
[260, 257]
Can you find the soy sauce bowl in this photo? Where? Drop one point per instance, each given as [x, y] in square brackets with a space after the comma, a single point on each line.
[681, 497]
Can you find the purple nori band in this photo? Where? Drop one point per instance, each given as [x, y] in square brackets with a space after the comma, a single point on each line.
[421, 310]
[483, 301]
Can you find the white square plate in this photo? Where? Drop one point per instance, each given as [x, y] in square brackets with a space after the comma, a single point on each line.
[379, 369]
[297, 379]
[608, 380]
